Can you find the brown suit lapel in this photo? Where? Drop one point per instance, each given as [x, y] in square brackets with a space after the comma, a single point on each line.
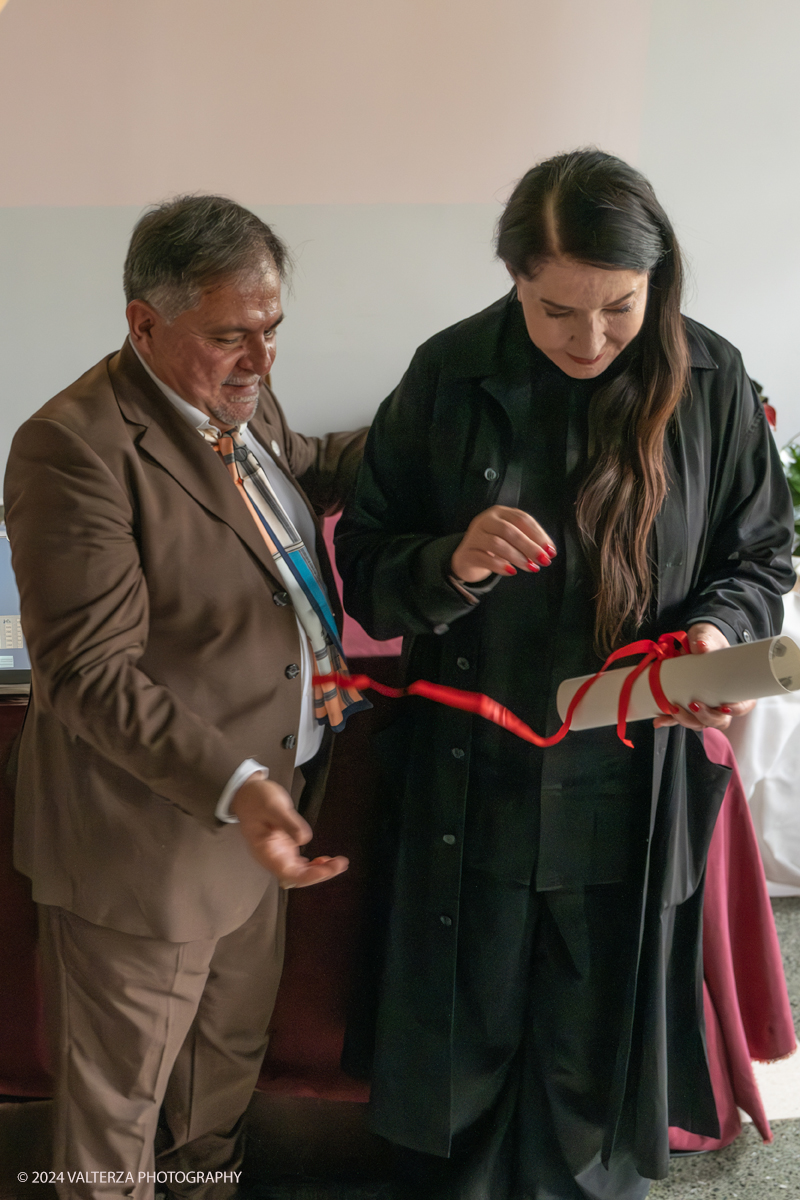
[170, 441]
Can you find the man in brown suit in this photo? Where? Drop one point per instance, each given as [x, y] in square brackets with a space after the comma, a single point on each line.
[171, 721]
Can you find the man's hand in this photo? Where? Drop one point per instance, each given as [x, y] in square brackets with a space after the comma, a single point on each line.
[703, 639]
[274, 831]
[500, 540]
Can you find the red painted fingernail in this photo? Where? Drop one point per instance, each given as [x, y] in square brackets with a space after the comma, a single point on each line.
[723, 708]
[701, 642]
[694, 707]
[531, 565]
[509, 570]
[551, 550]
[543, 558]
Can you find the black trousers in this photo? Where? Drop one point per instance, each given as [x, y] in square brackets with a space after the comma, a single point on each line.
[539, 1009]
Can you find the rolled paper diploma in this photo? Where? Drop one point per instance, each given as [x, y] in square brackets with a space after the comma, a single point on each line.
[747, 672]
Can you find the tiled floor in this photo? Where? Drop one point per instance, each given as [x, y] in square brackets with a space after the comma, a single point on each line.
[745, 1170]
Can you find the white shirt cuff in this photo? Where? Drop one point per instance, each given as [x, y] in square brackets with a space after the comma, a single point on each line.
[243, 772]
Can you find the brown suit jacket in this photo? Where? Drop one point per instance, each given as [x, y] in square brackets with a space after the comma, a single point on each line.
[159, 657]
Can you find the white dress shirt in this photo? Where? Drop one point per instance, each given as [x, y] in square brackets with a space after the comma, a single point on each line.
[309, 733]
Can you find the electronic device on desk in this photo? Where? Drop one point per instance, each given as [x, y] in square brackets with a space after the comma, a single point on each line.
[15, 666]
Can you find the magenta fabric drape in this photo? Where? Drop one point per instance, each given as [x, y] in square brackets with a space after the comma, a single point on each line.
[746, 1003]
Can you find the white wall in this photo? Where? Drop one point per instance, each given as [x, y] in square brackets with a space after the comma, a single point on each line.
[721, 144]
[381, 140]
[307, 101]
[370, 283]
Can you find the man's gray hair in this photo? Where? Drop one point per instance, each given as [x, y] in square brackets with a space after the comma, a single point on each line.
[185, 245]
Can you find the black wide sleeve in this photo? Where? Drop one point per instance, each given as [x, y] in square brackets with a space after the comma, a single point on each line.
[393, 560]
[747, 565]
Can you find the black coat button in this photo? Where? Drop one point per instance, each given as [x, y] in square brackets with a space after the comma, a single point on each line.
[457, 752]
[449, 839]
[289, 742]
[280, 598]
[462, 664]
[747, 636]
[490, 474]
[446, 921]
[292, 671]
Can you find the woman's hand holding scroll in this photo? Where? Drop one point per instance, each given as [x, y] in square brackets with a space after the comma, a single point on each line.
[703, 639]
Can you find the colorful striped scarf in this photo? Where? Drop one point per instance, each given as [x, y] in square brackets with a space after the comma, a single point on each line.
[333, 702]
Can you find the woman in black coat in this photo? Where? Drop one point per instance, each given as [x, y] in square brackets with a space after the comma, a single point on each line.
[574, 467]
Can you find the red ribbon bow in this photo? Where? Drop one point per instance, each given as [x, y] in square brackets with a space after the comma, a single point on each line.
[669, 645]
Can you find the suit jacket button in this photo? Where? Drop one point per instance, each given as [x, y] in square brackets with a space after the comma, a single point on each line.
[457, 752]
[462, 664]
[280, 598]
[449, 839]
[446, 921]
[490, 474]
[292, 671]
[289, 742]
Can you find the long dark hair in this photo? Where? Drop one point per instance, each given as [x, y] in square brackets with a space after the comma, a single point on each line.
[593, 208]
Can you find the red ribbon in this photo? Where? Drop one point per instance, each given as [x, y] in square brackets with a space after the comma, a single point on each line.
[669, 645]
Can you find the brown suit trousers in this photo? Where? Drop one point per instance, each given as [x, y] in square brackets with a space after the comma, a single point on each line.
[140, 1023]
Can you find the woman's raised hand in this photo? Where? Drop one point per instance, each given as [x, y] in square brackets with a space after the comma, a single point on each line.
[704, 638]
[501, 540]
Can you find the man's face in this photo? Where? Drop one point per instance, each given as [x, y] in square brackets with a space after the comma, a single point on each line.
[215, 354]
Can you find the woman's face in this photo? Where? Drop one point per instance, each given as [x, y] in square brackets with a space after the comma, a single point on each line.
[580, 316]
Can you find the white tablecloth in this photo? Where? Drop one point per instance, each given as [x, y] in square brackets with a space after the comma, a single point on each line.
[767, 747]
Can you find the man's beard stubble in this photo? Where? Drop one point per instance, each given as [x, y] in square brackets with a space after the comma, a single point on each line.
[233, 412]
